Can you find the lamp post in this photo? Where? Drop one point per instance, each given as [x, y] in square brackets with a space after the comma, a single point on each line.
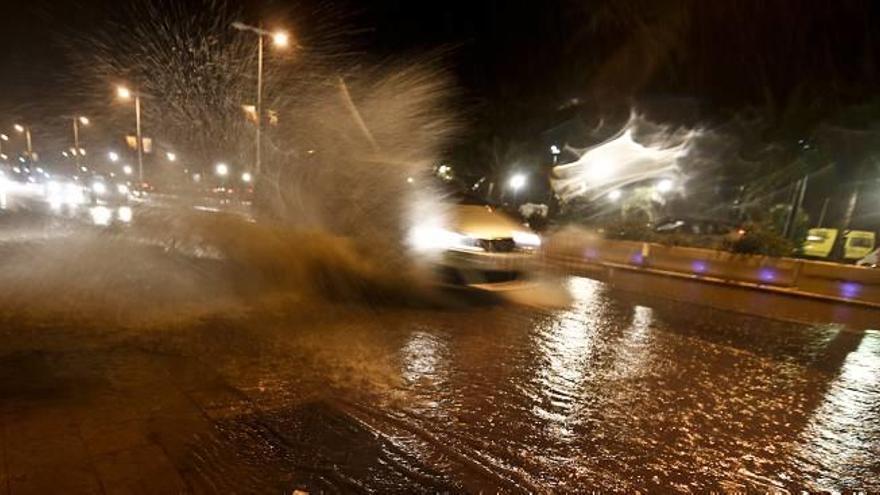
[126, 94]
[517, 182]
[27, 133]
[279, 39]
[76, 149]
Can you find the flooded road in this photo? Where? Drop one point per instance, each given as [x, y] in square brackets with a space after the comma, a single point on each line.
[615, 392]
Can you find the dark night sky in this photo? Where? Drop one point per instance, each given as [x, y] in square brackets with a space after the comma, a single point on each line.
[517, 61]
[531, 44]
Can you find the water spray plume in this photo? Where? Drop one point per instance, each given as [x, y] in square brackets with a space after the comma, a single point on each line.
[333, 204]
[622, 161]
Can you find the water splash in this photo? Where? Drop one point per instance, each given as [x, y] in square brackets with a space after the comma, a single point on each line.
[627, 158]
[332, 206]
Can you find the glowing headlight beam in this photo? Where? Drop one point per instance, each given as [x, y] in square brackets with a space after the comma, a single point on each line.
[527, 239]
[437, 239]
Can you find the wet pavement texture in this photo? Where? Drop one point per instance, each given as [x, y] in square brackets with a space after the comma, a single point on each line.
[616, 392]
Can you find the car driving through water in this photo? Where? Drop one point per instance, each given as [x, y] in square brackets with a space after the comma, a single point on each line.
[477, 245]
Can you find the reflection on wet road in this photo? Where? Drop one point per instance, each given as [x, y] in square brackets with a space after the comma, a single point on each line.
[617, 392]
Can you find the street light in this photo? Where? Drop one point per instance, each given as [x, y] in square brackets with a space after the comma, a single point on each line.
[517, 182]
[221, 169]
[171, 156]
[280, 39]
[113, 156]
[126, 94]
[246, 177]
[126, 169]
[77, 120]
[27, 133]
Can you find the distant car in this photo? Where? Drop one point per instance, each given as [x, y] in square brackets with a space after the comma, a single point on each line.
[100, 191]
[872, 260]
[821, 243]
[477, 245]
[700, 231]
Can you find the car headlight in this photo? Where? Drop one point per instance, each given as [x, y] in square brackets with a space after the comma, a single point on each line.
[435, 238]
[99, 188]
[526, 239]
[73, 194]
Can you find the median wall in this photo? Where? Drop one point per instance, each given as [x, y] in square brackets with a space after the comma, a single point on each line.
[845, 283]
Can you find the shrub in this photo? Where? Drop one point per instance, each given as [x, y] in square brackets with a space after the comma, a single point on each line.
[630, 230]
[760, 239]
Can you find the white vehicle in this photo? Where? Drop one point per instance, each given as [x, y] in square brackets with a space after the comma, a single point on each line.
[872, 260]
[478, 246]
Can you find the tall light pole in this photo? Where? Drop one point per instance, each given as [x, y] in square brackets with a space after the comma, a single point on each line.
[279, 39]
[516, 182]
[27, 133]
[126, 94]
[77, 120]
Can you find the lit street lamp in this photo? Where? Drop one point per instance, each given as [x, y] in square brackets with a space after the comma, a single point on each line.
[126, 169]
[517, 182]
[221, 169]
[113, 156]
[77, 150]
[281, 40]
[555, 151]
[27, 133]
[126, 94]
[171, 156]
[246, 177]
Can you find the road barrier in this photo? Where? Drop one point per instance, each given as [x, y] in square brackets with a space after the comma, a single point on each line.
[845, 283]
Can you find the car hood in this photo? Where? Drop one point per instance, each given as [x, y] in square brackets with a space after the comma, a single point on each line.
[482, 222]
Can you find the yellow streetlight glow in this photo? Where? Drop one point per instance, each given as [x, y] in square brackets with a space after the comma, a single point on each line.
[84, 120]
[280, 38]
[4, 137]
[222, 169]
[171, 156]
[19, 128]
[123, 92]
[246, 177]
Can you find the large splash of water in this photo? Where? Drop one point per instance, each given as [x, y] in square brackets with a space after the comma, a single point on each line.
[332, 206]
[635, 154]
